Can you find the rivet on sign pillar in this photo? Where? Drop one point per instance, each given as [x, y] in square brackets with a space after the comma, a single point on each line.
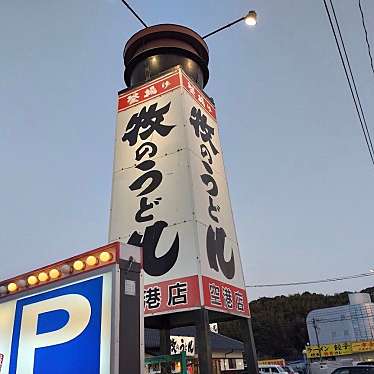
[170, 192]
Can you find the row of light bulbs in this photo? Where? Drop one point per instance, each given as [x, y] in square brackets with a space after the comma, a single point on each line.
[55, 273]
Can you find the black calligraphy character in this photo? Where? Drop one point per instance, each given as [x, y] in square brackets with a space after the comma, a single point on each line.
[182, 346]
[209, 180]
[152, 297]
[211, 209]
[155, 177]
[145, 206]
[190, 347]
[145, 122]
[145, 148]
[174, 347]
[200, 124]
[208, 168]
[205, 152]
[227, 297]
[239, 301]
[177, 294]
[215, 244]
[153, 265]
[215, 294]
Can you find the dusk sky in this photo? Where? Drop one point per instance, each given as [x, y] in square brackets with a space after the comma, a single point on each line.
[300, 177]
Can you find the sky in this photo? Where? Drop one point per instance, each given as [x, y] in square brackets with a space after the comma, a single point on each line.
[300, 177]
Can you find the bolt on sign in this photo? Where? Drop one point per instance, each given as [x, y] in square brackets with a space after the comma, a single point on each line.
[66, 317]
[170, 196]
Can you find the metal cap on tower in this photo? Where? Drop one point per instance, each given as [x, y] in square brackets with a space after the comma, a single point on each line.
[158, 48]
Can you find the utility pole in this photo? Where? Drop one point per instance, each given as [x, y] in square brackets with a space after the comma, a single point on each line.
[317, 337]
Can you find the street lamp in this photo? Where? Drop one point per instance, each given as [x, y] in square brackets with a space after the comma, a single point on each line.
[250, 19]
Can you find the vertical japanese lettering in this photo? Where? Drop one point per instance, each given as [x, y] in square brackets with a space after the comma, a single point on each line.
[140, 127]
[216, 235]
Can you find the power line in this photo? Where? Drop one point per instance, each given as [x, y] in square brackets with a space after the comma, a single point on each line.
[352, 77]
[336, 279]
[357, 102]
[366, 35]
[134, 13]
[331, 320]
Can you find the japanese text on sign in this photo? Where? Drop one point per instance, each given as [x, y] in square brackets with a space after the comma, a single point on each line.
[141, 126]
[170, 196]
[339, 349]
[216, 235]
[180, 344]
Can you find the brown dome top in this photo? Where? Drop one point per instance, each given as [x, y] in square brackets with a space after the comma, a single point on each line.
[166, 40]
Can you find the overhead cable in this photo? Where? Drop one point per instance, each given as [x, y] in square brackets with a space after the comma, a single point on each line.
[366, 35]
[356, 99]
[336, 279]
[134, 13]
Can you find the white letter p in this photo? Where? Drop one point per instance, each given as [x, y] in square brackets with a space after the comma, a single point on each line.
[79, 310]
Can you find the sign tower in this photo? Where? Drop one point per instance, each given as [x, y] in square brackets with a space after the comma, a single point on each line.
[170, 194]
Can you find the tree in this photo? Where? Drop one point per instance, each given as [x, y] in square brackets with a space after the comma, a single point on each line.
[279, 323]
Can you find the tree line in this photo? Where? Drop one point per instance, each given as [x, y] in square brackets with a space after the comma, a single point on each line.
[279, 323]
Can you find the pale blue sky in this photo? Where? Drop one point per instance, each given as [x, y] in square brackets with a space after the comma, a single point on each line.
[300, 177]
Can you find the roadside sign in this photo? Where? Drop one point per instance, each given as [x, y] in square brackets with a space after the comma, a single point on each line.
[274, 361]
[74, 316]
[64, 322]
[170, 196]
[181, 344]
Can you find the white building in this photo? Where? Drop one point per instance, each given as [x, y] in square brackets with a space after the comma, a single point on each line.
[347, 323]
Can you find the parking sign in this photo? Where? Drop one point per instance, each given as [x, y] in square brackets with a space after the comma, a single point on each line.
[68, 324]
[75, 316]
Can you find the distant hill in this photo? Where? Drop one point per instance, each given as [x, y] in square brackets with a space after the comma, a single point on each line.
[279, 322]
[369, 290]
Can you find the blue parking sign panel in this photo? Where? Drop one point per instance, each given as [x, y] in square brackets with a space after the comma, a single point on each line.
[62, 330]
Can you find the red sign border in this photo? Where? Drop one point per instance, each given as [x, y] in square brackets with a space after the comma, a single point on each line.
[208, 305]
[194, 301]
[122, 105]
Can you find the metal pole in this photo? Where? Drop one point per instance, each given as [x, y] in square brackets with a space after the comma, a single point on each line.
[250, 354]
[203, 342]
[317, 337]
[165, 347]
[183, 362]
[129, 319]
[224, 27]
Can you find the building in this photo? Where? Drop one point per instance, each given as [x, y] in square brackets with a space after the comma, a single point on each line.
[227, 353]
[343, 332]
[352, 322]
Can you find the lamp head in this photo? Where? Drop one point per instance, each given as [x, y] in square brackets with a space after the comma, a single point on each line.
[251, 18]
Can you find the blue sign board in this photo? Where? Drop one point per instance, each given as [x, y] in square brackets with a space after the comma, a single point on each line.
[63, 330]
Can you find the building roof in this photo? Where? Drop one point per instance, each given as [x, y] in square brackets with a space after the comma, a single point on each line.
[219, 343]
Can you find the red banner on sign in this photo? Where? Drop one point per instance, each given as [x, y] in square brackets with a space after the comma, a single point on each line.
[223, 296]
[181, 293]
[148, 91]
[198, 95]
